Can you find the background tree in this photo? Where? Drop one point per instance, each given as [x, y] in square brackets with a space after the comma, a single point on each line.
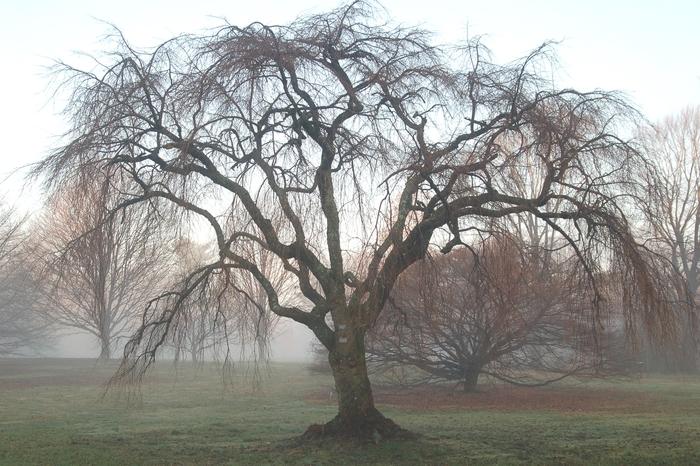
[21, 328]
[197, 332]
[362, 136]
[258, 322]
[228, 308]
[672, 211]
[99, 269]
[498, 309]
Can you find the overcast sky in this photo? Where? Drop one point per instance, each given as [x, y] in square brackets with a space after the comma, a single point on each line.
[648, 49]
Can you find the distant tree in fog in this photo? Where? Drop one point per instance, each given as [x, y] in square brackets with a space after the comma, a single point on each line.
[22, 329]
[501, 309]
[672, 211]
[228, 307]
[98, 270]
[196, 331]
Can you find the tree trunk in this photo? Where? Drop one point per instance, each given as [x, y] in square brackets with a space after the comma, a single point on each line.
[689, 350]
[471, 377]
[357, 416]
[104, 331]
[106, 351]
[355, 401]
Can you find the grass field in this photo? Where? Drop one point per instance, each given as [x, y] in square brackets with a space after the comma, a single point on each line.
[52, 412]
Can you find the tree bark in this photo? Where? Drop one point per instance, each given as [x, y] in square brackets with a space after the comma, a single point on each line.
[106, 350]
[355, 400]
[471, 378]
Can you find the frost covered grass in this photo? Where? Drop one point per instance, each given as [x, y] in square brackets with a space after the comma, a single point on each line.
[53, 412]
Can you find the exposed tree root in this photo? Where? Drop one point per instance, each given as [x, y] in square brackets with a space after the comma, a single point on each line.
[372, 428]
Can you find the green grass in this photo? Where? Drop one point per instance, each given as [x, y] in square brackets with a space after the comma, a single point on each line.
[51, 412]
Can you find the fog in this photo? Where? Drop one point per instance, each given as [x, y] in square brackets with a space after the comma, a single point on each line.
[290, 343]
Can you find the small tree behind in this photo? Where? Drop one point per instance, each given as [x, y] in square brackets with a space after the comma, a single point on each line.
[496, 309]
[196, 333]
[228, 308]
[22, 329]
[671, 208]
[99, 268]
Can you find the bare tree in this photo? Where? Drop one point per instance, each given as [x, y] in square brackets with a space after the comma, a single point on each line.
[673, 190]
[228, 307]
[100, 269]
[498, 309]
[363, 137]
[21, 328]
[197, 332]
[672, 209]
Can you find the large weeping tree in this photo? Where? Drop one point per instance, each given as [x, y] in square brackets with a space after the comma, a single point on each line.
[370, 143]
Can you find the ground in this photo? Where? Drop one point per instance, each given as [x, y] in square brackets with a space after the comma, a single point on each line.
[53, 412]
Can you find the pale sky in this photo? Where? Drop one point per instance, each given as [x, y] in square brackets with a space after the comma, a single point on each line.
[647, 49]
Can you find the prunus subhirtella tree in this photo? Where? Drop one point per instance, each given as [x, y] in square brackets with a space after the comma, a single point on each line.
[98, 268]
[363, 137]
